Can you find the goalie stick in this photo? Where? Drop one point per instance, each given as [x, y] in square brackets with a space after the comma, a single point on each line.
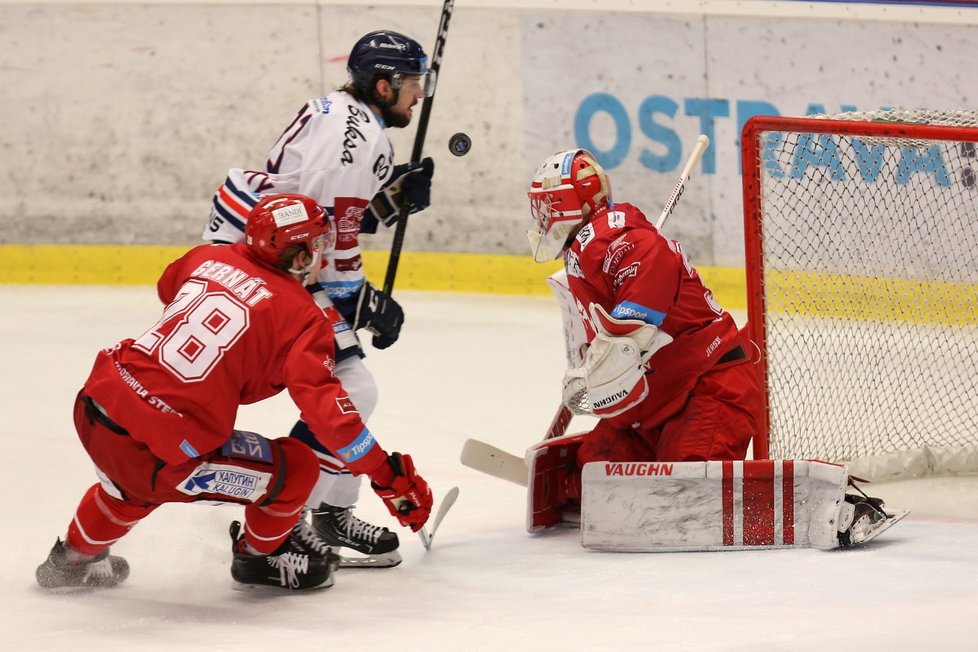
[401, 228]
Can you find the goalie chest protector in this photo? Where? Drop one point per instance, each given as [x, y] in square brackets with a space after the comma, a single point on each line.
[688, 506]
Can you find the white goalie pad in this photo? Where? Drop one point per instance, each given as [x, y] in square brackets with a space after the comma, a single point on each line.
[575, 336]
[689, 506]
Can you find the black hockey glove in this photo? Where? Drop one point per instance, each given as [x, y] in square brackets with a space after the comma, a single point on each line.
[408, 186]
[416, 186]
[379, 313]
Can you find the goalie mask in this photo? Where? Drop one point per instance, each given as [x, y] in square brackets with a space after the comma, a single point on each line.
[566, 189]
[280, 222]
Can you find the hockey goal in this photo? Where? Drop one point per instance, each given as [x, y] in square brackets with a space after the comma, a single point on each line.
[862, 279]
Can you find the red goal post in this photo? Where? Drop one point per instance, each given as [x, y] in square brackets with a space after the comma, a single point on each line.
[861, 244]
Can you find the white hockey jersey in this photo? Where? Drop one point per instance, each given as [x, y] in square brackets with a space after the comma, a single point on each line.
[335, 151]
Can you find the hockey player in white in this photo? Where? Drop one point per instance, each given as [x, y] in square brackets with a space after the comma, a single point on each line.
[337, 152]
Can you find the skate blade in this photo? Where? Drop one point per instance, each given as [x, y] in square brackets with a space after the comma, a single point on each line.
[278, 590]
[892, 518]
[385, 560]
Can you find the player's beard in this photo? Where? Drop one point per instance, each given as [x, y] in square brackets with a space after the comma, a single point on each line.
[396, 119]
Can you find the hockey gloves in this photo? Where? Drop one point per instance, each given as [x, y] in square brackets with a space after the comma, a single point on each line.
[379, 313]
[405, 493]
[409, 187]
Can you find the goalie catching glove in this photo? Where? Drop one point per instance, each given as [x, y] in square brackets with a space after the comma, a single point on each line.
[409, 187]
[405, 493]
[613, 373]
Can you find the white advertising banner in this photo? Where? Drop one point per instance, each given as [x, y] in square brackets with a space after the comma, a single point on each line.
[637, 90]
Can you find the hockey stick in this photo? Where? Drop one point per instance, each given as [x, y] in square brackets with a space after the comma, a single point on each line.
[561, 420]
[702, 142]
[446, 504]
[494, 461]
[401, 228]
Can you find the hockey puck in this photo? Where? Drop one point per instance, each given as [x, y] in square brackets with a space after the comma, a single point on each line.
[459, 144]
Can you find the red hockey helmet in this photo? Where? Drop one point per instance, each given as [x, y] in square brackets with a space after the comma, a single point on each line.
[566, 189]
[281, 221]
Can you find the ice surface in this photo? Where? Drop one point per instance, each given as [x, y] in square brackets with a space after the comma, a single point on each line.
[466, 366]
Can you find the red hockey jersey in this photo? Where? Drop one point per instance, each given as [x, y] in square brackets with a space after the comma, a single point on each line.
[234, 331]
[621, 262]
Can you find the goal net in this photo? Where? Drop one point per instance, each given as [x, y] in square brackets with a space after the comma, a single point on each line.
[862, 272]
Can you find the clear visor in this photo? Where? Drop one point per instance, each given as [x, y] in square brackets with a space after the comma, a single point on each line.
[423, 85]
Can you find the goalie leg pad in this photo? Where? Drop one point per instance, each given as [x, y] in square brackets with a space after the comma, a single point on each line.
[686, 506]
[553, 492]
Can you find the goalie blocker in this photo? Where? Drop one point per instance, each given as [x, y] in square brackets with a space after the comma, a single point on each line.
[691, 506]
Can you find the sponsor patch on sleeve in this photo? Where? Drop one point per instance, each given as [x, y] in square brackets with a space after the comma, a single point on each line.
[345, 404]
[359, 447]
[630, 310]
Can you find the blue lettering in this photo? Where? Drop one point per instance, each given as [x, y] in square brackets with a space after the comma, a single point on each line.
[930, 162]
[659, 134]
[823, 154]
[747, 109]
[604, 103]
[706, 110]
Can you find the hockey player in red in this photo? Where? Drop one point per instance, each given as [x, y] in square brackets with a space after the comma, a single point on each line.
[665, 368]
[157, 413]
[336, 151]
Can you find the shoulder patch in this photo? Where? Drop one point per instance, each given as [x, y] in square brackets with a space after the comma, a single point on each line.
[573, 265]
[585, 235]
[321, 105]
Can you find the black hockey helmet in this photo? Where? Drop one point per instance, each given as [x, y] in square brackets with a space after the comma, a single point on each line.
[388, 54]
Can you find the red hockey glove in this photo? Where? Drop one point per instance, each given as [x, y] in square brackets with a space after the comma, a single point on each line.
[407, 495]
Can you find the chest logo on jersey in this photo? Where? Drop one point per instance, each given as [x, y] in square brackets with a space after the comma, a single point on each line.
[627, 272]
[573, 265]
[349, 213]
[353, 135]
[616, 220]
[616, 251]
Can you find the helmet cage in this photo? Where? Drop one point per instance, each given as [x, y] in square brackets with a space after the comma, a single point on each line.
[556, 212]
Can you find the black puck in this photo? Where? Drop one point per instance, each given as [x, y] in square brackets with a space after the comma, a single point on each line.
[459, 144]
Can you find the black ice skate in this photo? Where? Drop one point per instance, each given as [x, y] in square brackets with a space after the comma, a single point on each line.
[869, 520]
[100, 572]
[338, 527]
[294, 565]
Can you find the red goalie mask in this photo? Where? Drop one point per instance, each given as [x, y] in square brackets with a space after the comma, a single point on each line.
[566, 189]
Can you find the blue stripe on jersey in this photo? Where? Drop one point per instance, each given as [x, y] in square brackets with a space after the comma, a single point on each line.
[341, 289]
[629, 310]
[358, 447]
[249, 199]
[230, 217]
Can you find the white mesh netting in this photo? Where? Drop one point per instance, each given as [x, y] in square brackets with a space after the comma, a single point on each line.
[870, 278]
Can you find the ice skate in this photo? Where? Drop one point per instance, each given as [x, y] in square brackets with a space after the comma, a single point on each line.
[100, 572]
[338, 527]
[294, 565]
[869, 520]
